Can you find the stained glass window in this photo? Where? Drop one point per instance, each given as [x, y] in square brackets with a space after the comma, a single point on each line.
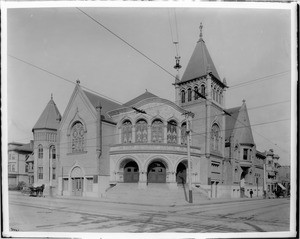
[172, 132]
[141, 131]
[126, 132]
[183, 134]
[157, 131]
[78, 137]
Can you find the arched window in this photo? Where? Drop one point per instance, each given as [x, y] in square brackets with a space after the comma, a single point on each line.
[189, 94]
[40, 151]
[172, 132]
[78, 137]
[126, 132]
[221, 97]
[203, 90]
[183, 134]
[215, 136]
[214, 93]
[52, 152]
[217, 96]
[196, 96]
[182, 96]
[157, 131]
[141, 131]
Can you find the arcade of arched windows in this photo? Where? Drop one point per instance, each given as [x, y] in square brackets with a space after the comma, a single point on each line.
[189, 94]
[217, 94]
[156, 132]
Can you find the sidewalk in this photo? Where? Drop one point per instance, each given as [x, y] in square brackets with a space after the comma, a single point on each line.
[149, 202]
[162, 203]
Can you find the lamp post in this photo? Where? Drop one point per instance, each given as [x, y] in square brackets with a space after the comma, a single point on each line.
[188, 131]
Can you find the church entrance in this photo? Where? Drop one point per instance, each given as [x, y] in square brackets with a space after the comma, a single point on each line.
[77, 186]
[181, 173]
[131, 172]
[77, 181]
[156, 173]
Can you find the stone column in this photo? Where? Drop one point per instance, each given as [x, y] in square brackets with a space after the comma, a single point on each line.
[165, 133]
[142, 180]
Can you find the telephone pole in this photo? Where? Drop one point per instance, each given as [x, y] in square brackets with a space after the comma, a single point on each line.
[188, 136]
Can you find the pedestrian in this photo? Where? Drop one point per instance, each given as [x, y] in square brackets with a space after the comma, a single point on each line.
[251, 193]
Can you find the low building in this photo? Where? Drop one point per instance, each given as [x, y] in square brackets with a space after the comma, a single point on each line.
[17, 167]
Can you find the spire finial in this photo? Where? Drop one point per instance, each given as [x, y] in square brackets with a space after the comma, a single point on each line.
[78, 82]
[51, 96]
[200, 27]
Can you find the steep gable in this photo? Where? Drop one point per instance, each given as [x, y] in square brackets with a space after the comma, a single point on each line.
[199, 62]
[107, 105]
[49, 119]
[242, 129]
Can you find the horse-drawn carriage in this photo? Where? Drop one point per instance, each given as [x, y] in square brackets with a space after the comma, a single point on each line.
[34, 191]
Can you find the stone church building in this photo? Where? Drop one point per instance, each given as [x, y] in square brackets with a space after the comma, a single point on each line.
[97, 143]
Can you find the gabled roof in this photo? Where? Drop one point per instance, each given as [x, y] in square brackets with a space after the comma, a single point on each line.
[139, 98]
[49, 119]
[239, 123]
[199, 62]
[230, 120]
[107, 105]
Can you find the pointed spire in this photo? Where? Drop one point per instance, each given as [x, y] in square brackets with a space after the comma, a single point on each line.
[200, 27]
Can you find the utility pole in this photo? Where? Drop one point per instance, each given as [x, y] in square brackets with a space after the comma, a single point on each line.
[188, 134]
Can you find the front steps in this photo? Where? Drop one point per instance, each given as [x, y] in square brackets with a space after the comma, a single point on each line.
[154, 193]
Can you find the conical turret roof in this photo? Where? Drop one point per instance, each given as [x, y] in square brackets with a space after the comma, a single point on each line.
[49, 119]
[199, 63]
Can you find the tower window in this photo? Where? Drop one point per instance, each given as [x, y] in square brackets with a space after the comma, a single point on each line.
[40, 151]
[182, 96]
[215, 138]
[203, 90]
[189, 94]
[196, 95]
[52, 152]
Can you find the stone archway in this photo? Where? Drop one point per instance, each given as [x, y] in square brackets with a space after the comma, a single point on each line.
[156, 172]
[181, 172]
[131, 172]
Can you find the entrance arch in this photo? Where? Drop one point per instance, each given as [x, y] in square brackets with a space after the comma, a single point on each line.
[156, 172]
[181, 172]
[77, 181]
[131, 172]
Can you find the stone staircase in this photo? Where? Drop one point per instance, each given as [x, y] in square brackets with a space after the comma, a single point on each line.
[154, 194]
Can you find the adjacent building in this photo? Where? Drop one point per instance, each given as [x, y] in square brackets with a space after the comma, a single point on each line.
[18, 153]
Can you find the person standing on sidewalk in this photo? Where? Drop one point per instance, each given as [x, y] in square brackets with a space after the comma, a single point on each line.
[251, 193]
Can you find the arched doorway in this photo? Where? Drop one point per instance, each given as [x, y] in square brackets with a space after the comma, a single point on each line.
[181, 173]
[156, 172]
[131, 172]
[77, 181]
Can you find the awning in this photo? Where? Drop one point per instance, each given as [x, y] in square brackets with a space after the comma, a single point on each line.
[280, 185]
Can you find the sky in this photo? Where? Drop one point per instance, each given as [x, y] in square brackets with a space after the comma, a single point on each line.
[246, 45]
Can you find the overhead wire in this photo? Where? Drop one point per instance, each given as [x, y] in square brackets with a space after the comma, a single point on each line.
[241, 84]
[127, 43]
